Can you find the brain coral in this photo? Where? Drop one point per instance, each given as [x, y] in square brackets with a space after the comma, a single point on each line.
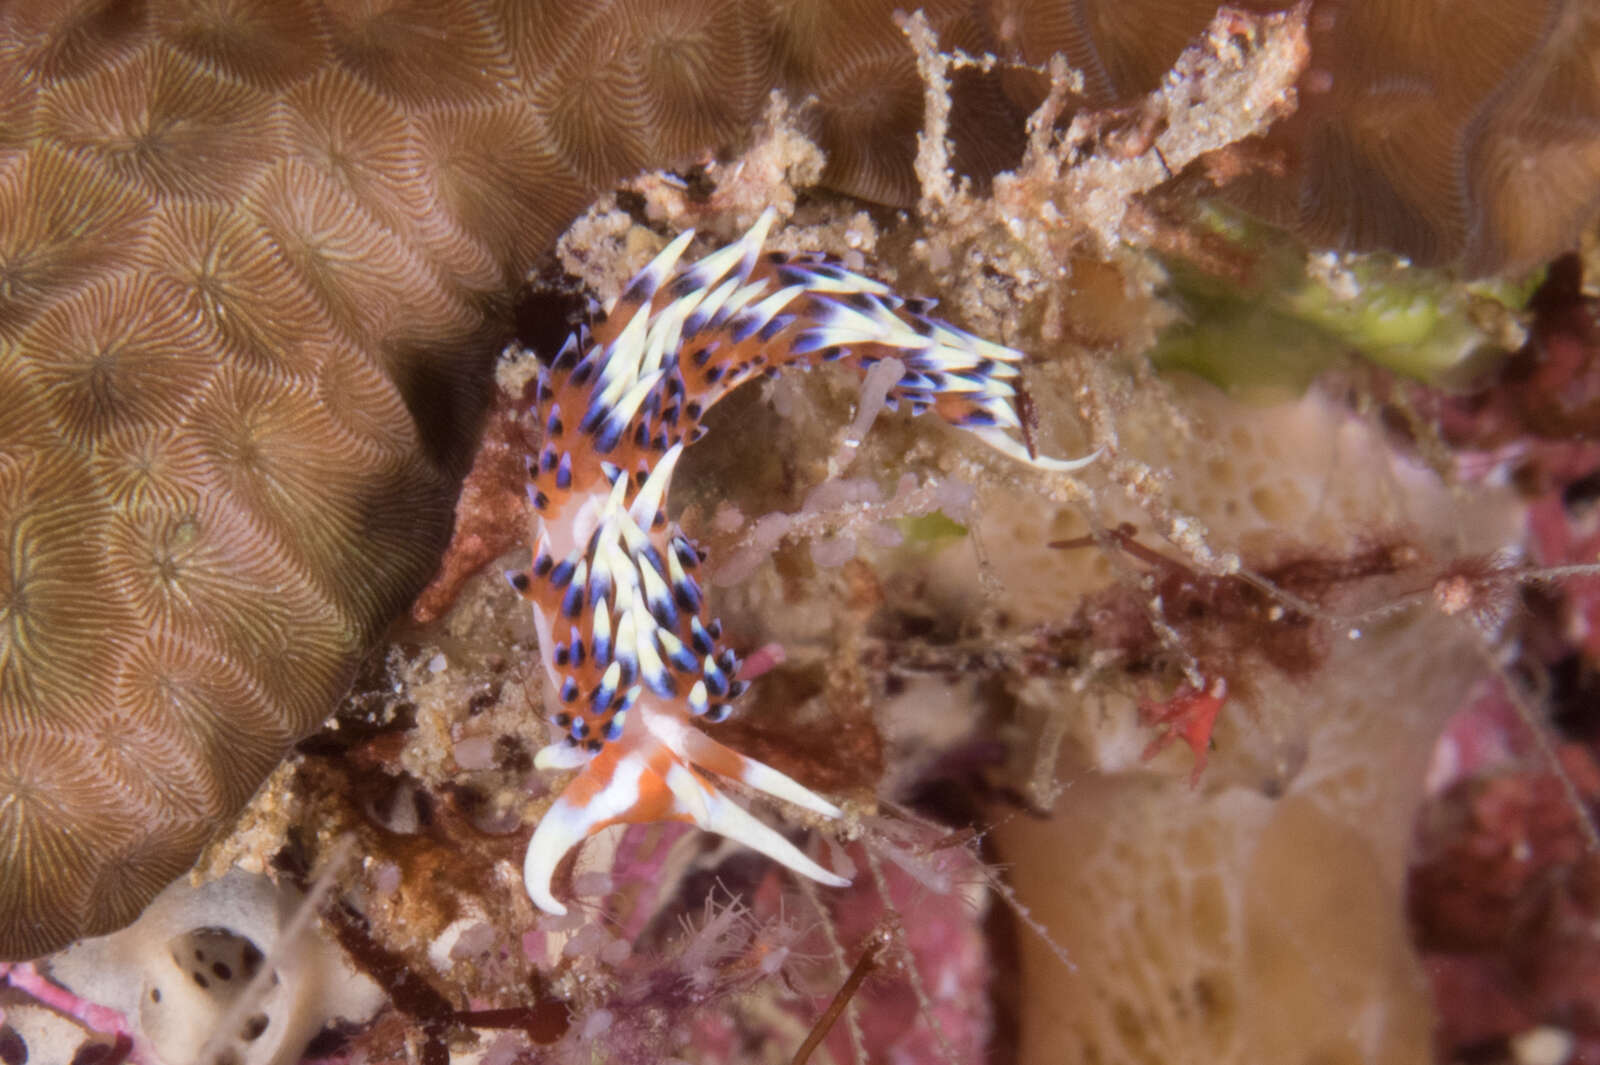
[254, 256]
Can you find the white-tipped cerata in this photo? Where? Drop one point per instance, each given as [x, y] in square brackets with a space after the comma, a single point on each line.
[634, 661]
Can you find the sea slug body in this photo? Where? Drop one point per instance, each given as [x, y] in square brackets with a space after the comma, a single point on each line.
[630, 651]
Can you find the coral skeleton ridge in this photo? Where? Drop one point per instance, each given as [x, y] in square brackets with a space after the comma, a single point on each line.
[632, 656]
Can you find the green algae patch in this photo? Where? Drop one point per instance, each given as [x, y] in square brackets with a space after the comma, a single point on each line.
[1294, 315]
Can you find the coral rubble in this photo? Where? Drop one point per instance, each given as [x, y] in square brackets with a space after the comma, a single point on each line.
[1466, 134]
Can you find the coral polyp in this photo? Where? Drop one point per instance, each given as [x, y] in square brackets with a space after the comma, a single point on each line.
[631, 654]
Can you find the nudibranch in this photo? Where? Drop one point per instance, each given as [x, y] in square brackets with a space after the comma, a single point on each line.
[632, 656]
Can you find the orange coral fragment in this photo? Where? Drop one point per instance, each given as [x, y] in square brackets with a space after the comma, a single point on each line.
[489, 515]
